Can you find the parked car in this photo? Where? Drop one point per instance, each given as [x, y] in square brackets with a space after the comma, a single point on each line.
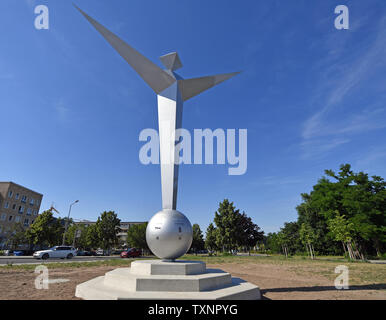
[56, 252]
[23, 252]
[85, 253]
[131, 253]
[117, 252]
[8, 252]
[80, 253]
[101, 252]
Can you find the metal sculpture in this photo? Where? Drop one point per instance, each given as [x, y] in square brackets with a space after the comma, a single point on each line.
[169, 232]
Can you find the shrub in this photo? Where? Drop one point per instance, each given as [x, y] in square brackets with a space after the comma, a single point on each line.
[381, 257]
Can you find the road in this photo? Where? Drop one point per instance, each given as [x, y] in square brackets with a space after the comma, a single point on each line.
[30, 260]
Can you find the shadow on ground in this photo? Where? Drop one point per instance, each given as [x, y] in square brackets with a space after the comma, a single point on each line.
[380, 286]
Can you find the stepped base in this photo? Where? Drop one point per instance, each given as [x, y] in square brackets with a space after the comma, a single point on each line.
[158, 280]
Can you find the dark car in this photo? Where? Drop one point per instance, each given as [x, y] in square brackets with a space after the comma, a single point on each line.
[23, 253]
[116, 252]
[131, 253]
[87, 253]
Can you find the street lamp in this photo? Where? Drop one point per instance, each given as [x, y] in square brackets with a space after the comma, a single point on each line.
[68, 218]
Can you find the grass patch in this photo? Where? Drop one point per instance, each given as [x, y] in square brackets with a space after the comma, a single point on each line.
[59, 265]
[360, 273]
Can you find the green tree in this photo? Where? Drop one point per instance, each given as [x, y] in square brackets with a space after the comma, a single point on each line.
[57, 230]
[235, 229]
[289, 236]
[211, 238]
[248, 233]
[310, 215]
[18, 236]
[226, 218]
[136, 236]
[74, 230]
[283, 242]
[198, 242]
[342, 231]
[92, 237]
[107, 225]
[273, 242]
[307, 237]
[46, 230]
[361, 200]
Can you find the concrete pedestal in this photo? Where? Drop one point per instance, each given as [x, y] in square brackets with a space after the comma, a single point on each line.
[156, 279]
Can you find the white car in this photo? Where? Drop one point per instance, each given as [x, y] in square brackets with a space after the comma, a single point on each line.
[56, 252]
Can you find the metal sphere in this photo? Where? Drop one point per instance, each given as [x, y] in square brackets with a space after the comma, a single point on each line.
[169, 234]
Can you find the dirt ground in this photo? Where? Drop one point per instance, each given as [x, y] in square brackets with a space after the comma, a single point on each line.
[276, 282]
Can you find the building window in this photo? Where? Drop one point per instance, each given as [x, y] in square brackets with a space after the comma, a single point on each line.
[3, 217]
[10, 193]
[17, 196]
[21, 209]
[26, 222]
[32, 201]
[17, 219]
[14, 206]
[29, 211]
[24, 199]
[6, 205]
[35, 212]
[10, 218]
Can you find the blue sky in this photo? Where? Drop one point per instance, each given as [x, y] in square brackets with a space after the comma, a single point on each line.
[311, 97]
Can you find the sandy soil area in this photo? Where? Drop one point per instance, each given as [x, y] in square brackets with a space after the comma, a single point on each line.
[276, 282]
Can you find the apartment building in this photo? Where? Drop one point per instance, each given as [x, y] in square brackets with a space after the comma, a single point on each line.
[18, 204]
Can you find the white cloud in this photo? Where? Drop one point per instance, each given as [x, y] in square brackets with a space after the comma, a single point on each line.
[319, 148]
[339, 80]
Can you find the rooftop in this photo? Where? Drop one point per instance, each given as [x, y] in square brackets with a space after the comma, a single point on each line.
[18, 185]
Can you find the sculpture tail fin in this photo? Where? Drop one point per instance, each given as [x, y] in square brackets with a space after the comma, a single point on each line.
[194, 86]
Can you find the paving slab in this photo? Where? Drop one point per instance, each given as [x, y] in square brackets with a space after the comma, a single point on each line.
[140, 283]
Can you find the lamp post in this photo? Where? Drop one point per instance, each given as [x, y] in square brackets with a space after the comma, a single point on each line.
[68, 218]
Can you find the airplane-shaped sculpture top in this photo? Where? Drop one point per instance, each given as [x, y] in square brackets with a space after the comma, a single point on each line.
[172, 91]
